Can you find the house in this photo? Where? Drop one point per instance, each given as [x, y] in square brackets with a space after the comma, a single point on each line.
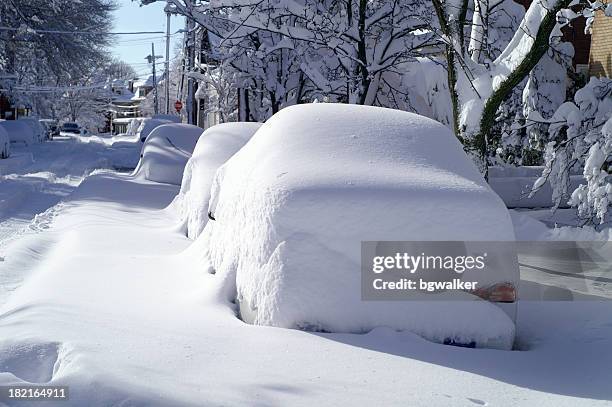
[600, 55]
[123, 106]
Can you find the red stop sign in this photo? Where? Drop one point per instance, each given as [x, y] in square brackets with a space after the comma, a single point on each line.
[178, 105]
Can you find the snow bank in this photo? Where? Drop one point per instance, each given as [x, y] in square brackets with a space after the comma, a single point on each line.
[293, 205]
[5, 143]
[166, 151]
[19, 132]
[216, 146]
[148, 125]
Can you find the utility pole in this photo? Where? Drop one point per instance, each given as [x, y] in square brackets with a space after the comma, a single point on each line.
[190, 51]
[151, 58]
[167, 87]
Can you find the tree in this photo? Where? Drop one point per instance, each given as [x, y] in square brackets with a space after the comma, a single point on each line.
[479, 85]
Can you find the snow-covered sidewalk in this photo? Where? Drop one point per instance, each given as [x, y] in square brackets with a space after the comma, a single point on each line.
[121, 309]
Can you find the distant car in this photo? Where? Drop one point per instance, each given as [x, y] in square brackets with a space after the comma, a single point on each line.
[52, 127]
[39, 130]
[5, 143]
[70, 127]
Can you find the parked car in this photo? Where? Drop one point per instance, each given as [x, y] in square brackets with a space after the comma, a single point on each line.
[5, 143]
[52, 127]
[38, 129]
[289, 211]
[166, 151]
[70, 127]
[19, 132]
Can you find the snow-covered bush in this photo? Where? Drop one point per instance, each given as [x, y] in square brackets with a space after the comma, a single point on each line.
[214, 148]
[19, 132]
[166, 151]
[292, 206]
[580, 136]
[5, 143]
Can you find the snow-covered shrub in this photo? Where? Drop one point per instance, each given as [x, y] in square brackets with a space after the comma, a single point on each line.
[580, 136]
[292, 206]
[166, 151]
[214, 148]
[19, 132]
[5, 143]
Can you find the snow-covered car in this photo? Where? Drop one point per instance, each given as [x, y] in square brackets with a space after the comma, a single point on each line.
[148, 125]
[5, 143]
[39, 131]
[216, 145]
[70, 128]
[292, 207]
[51, 127]
[169, 117]
[166, 152]
[19, 132]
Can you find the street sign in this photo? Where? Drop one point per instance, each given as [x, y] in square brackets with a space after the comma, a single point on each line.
[178, 105]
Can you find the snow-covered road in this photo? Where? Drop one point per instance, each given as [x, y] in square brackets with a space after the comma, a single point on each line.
[114, 302]
[36, 179]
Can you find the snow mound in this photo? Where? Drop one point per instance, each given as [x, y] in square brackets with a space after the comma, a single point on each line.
[5, 143]
[214, 148]
[19, 132]
[293, 205]
[148, 125]
[166, 151]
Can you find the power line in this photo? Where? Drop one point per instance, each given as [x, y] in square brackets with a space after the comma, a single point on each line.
[37, 31]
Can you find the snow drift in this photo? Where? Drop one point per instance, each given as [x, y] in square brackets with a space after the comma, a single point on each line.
[216, 146]
[166, 151]
[293, 205]
[19, 132]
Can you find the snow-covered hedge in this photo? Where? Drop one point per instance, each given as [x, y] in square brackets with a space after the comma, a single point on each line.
[19, 132]
[5, 143]
[166, 151]
[214, 148]
[293, 205]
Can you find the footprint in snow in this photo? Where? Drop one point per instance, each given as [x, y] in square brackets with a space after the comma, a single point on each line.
[477, 401]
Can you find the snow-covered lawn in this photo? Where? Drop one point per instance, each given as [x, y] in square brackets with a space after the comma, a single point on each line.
[116, 304]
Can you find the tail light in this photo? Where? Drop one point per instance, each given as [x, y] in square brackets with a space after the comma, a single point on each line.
[500, 292]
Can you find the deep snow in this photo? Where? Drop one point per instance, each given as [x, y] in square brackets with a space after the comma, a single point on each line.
[294, 204]
[120, 308]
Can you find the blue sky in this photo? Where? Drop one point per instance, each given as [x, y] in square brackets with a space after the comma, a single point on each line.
[134, 48]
